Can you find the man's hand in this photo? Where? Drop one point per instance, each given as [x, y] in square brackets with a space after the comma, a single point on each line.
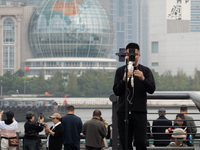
[129, 75]
[139, 74]
[1, 113]
[40, 120]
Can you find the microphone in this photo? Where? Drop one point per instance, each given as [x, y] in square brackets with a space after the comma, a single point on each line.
[131, 69]
[130, 66]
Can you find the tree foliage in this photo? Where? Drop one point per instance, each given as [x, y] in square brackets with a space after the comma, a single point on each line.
[91, 83]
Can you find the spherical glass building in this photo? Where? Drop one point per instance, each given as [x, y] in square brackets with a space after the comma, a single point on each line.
[70, 28]
[69, 35]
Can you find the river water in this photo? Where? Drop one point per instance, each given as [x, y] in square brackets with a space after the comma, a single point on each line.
[86, 114]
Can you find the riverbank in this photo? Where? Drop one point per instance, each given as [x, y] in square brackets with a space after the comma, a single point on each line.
[106, 103]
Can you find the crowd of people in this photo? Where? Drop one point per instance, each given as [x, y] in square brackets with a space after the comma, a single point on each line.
[182, 130]
[65, 131]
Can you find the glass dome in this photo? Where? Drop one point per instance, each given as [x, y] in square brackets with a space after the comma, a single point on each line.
[70, 28]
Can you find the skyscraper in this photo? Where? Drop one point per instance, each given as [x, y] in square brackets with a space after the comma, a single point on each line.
[195, 16]
[129, 18]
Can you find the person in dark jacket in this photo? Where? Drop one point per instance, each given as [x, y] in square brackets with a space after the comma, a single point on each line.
[161, 139]
[94, 131]
[55, 133]
[137, 100]
[32, 129]
[72, 128]
[190, 123]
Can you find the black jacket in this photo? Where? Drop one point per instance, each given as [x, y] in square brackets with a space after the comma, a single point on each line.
[55, 142]
[161, 121]
[72, 128]
[141, 88]
[32, 129]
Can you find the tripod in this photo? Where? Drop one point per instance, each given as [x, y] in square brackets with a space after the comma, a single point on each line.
[131, 55]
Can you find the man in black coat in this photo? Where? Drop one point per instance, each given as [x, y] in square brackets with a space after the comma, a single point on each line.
[161, 139]
[55, 133]
[137, 98]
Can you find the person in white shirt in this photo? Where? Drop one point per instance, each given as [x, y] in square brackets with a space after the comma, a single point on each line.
[8, 130]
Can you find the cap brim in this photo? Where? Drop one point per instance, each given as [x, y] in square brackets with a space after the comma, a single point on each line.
[179, 136]
[52, 117]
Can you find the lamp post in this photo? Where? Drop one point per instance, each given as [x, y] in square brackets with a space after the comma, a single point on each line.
[25, 83]
[1, 88]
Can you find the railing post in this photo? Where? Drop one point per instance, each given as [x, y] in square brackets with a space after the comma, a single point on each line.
[115, 137]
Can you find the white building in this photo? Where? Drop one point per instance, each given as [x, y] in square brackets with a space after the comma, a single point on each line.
[173, 46]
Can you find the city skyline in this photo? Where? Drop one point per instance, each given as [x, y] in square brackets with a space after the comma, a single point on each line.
[131, 21]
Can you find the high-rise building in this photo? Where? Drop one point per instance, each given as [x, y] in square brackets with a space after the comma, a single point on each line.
[14, 48]
[173, 47]
[130, 24]
[195, 16]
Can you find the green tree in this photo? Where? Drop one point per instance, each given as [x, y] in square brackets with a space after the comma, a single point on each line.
[19, 73]
[18, 85]
[88, 83]
[180, 81]
[56, 84]
[7, 83]
[37, 84]
[157, 80]
[166, 81]
[196, 80]
[104, 84]
[72, 86]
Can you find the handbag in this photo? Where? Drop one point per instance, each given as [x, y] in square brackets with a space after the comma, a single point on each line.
[39, 142]
[13, 142]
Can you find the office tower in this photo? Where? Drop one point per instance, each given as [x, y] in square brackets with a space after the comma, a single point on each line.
[130, 24]
[195, 16]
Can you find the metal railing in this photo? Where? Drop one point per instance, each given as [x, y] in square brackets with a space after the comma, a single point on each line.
[157, 96]
[152, 138]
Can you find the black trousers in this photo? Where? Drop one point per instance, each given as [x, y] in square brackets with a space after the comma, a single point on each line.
[92, 148]
[72, 146]
[137, 127]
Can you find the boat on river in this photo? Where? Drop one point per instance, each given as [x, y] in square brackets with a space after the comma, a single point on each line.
[20, 107]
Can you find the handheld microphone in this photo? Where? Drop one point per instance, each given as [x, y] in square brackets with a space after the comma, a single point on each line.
[131, 69]
[130, 66]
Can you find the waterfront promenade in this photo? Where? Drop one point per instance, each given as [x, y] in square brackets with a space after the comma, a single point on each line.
[170, 104]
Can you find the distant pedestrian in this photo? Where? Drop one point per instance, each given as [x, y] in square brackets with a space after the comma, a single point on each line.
[8, 130]
[55, 133]
[32, 129]
[179, 136]
[191, 126]
[157, 129]
[94, 131]
[72, 128]
[179, 123]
